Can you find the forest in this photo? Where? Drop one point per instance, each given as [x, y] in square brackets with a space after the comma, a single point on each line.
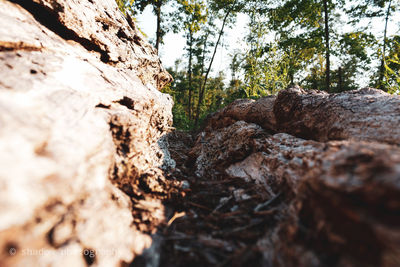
[326, 45]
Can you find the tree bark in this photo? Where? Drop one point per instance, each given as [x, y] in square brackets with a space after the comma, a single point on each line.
[76, 133]
[367, 114]
[202, 88]
[382, 67]
[340, 80]
[327, 48]
[321, 198]
[190, 74]
[158, 30]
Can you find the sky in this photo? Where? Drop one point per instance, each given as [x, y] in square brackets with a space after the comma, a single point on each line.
[174, 44]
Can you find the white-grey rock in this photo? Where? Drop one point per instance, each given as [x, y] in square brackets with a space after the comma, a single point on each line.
[63, 109]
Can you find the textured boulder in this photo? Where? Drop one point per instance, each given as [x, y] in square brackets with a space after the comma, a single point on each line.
[99, 26]
[367, 114]
[327, 169]
[260, 112]
[81, 118]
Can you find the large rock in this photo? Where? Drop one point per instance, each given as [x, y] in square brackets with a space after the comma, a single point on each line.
[80, 117]
[329, 169]
[260, 112]
[367, 114]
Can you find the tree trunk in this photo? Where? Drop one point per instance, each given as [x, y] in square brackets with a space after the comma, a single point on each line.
[382, 67]
[327, 49]
[158, 30]
[366, 115]
[202, 88]
[291, 77]
[190, 74]
[340, 80]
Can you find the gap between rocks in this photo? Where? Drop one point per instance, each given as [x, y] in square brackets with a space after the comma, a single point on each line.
[212, 220]
[252, 195]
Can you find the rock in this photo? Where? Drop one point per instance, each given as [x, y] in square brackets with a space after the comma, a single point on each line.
[333, 200]
[81, 123]
[233, 143]
[260, 112]
[345, 207]
[99, 26]
[367, 114]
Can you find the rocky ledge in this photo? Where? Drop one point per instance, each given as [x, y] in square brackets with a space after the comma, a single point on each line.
[303, 178]
[81, 120]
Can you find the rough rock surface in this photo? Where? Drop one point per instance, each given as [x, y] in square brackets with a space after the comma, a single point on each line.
[367, 114]
[263, 197]
[259, 112]
[81, 128]
[99, 26]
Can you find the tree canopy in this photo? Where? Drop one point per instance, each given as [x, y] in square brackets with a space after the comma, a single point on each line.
[317, 44]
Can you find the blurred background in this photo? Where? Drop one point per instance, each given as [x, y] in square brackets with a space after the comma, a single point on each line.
[221, 50]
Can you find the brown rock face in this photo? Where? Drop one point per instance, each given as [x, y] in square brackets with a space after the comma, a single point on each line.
[80, 117]
[327, 169]
[259, 112]
[99, 26]
[367, 114]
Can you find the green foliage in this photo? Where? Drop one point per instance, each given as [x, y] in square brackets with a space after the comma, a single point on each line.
[366, 9]
[177, 89]
[266, 72]
[189, 15]
[392, 67]
[384, 10]
[126, 6]
[214, 98]
[288, 42]
[133, 7]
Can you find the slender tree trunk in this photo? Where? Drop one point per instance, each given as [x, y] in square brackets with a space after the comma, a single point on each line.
[190, 74]
[203, 57]
[291, 76]
[340, 80]
[327, 49]
[158, 31]
[202, 88]
[382, 68]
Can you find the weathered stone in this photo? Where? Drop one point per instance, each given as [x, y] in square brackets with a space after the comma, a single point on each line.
[99, 26]
[259, 112]
[335, 203]
[80, 116]
[367, 114]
